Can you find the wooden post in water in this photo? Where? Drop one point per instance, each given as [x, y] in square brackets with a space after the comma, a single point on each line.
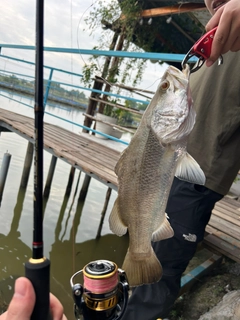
[104, 210]
[84, 189]
[27, 165]
[50, 177]
[4, 171]
[70, 181]
[92, 105]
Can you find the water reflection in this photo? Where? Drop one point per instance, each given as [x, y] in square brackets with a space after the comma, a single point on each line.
[66, 255]
[70, 225]
[13, 251]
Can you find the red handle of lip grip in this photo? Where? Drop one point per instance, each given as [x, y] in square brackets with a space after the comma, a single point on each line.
[203, 46]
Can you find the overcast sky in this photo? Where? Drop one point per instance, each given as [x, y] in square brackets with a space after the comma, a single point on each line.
[63, 27]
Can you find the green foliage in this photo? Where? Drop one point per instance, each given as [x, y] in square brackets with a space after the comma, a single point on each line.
[123, 116]
[88, 71]
[123, 18]
[112, 111]
[23, 85]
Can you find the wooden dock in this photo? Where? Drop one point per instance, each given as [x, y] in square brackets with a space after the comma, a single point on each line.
[223, 229]
[79, 150]
[97, 160]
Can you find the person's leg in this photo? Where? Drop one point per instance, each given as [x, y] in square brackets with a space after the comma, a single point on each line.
[189, 209]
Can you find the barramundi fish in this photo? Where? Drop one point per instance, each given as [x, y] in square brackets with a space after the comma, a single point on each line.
[145, 173]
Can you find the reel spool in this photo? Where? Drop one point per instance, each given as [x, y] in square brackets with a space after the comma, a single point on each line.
[104, 294]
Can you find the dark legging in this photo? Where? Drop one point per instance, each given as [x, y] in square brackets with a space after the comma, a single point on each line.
[189, 209]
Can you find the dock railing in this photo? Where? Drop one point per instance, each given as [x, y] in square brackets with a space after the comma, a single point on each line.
[64, 92]
[96, 96]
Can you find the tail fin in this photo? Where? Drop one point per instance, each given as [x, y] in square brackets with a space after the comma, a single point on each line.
[139, 272]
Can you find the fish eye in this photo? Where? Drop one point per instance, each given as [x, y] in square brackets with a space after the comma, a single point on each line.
[165, 85]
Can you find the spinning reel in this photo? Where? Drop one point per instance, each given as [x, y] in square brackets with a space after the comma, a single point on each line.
[104, 294]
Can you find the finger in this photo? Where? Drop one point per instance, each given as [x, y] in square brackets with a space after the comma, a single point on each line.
[56, 308]
[23, 301]
[221, 41]
[214, 21]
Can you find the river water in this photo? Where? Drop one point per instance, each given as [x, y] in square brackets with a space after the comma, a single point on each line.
[70, 226]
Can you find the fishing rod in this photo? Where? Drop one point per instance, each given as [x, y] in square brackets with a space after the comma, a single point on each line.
[37, 269]
[104, 294]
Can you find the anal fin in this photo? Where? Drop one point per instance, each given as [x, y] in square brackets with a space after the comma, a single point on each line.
[115, 223]
[164, 231]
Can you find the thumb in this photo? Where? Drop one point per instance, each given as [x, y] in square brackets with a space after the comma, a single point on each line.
[23, 301]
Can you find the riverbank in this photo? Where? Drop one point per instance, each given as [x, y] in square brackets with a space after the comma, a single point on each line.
[30, 92]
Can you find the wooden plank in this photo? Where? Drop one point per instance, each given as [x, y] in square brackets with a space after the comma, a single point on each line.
[231, 201]
[174, 9]
[93, 158]
[222, 246]
[223, 229]
[226, 203]
[81, 138]
[221, 235]
[224, 215]
[109, 124]
[229, 206]
[225, 226]
[76, 142]
[96, 155]
[230, 212]
[115, 105]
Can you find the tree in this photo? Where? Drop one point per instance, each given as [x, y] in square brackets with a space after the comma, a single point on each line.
[122, 18]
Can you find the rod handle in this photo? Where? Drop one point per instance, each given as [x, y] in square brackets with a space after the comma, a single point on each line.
[38, 272]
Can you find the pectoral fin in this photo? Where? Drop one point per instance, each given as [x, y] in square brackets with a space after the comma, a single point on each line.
[189, 170]
[115, 222]
[164, 231]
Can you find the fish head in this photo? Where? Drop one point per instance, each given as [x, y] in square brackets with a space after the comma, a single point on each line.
[173, 116]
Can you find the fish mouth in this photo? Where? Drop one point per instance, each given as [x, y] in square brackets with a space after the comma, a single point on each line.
[186, 71]
[218, 4]
[183, 80]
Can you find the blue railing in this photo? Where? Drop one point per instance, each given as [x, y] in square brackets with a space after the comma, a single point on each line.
[49, 83]
[167, 57]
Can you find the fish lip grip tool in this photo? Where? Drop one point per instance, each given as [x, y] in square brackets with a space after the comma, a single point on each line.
[202, 50]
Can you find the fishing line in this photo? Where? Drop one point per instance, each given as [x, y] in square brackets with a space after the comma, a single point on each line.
[93, 3]
[71, 77]
[100, 284]
[80, 20]
[153, 83]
